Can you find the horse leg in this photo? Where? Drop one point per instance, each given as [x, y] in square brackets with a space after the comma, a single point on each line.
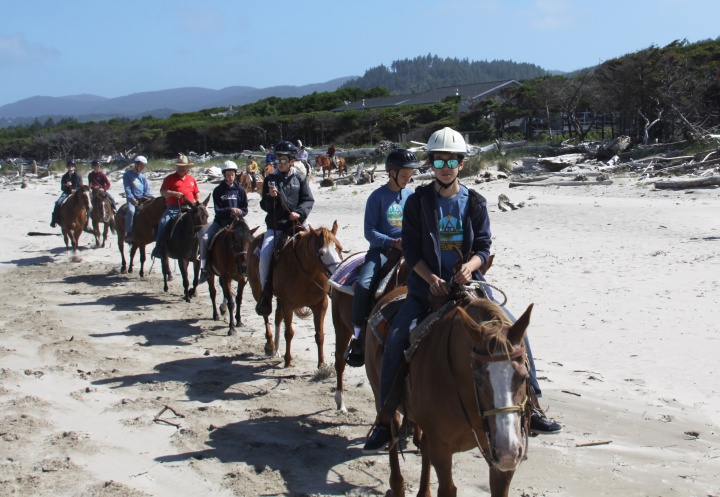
[269, 343]
[196, 276]
[284, 314]
[397, 483]
[226, 284]
[440, 455]
[105, 233]
[96, 232]
[213, 294]
[184, 263]
[342, 339]
[238, 301]
[424, 490]
[319, 321]
[142, 260]
[121, 248]
[500, 482]
[133, 249]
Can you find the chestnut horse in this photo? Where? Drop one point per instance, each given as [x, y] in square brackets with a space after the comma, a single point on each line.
[147, 217]
[101, 213]
[228, 258]
[73, 216]
[341, 309]
[300, 281]
[324, 163]
[182, 243]
[467, 388]
[246, 183]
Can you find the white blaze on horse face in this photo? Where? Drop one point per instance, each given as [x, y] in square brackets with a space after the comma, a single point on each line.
[505, 442]
[330, 257]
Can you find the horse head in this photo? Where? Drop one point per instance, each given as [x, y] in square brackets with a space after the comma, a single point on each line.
[327, 248]
[199, 214]
[84, 196]
[501, 379]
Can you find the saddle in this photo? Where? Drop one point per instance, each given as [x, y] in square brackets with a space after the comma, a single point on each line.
[141, 203]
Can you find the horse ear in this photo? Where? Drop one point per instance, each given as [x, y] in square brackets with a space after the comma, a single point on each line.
[335, 227]
[517, 330]
[207, 200]
[252, 231]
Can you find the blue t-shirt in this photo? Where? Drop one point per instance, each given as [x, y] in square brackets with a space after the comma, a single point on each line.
[384, 215]
[451, 212]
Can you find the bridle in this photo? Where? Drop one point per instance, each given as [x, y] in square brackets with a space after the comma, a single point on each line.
[318, 256]
[524, 408]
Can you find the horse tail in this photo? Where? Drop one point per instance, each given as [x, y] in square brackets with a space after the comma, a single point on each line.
[303, 312]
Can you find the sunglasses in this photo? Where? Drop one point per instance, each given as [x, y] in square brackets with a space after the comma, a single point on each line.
[440, 163]
[283, 161]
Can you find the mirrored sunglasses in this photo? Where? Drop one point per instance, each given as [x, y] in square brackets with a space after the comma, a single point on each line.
[440, 163]
[283, 161]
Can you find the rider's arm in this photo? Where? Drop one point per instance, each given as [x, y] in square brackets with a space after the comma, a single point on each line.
[306, 202]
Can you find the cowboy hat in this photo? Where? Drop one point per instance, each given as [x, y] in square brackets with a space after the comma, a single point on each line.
[183, 161]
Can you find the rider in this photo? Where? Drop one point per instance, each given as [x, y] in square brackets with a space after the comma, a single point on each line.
[251, 168]
[302, 156]
[69, 182]
[98, 181]
[270, 157]
[438, 218]
[331, 153]
[287, 201]
[383, 225]
[136, 188]
[230, 202]
[177, 188]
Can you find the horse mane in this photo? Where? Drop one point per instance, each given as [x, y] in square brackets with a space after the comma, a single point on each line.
[328, 238]
[241, 232]
[487, 319]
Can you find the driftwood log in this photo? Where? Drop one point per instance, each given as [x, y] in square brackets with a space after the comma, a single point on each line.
[688, 183]
[513, 184]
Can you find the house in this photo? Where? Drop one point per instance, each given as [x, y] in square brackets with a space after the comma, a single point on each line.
[467, 94]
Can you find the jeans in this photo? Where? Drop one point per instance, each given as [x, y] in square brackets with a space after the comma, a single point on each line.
[413, 311]
[266, 253]
[375, 259]
[129, 217]
[170, 213]
[205, 236]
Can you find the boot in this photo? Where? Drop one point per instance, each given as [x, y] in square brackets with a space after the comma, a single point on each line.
[53, 222]
[264, 305]
[382, 436]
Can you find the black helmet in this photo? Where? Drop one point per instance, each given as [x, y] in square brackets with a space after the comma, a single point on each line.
[285, 148]
[401, 158]
[95, 163]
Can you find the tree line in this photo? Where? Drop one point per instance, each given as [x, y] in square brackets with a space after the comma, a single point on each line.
[655, 94]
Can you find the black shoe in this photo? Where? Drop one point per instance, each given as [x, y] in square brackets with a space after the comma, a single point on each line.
[380, 439]
[264, 306]
[354, 355]
[203, 277]
[541, 425]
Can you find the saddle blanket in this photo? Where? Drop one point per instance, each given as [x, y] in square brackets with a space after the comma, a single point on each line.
[346, 273]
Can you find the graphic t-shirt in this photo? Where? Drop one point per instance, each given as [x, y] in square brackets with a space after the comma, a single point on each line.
[451, 230]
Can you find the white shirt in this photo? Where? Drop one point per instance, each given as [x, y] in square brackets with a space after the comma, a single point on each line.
[302, 155]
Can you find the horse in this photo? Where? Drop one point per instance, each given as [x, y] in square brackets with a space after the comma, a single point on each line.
[341, 310]
[246, 183]
[147, 217]
[182, 243]
[73, 216]
[101, 213]
[300, 281]
[267, 170]
[228, 258]
[323, 162]
[467, 387]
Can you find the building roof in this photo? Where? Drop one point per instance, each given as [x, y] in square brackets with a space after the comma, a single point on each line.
[475, 91]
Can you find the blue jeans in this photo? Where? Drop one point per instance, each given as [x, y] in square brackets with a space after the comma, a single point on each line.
[375, 259]
[413, 311]
[129, 217]
[170, 213]
[205, 236]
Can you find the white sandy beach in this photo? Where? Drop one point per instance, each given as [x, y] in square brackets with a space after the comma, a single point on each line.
[626, 286]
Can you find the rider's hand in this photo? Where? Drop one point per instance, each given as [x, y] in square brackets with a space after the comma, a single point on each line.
[439, 287]
[234, 211]
[133, 201]
[463, 275]
[293, 216]
[397, 244]
[177, 194]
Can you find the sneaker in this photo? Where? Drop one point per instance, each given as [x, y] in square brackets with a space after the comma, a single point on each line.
[203, 277]
[541, 425]
[380, 439]
[354, 355]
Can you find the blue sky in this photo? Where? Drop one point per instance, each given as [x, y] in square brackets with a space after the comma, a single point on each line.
[115, 48]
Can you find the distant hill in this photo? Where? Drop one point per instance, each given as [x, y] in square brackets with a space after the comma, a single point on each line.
[430, 71]
[156, 103]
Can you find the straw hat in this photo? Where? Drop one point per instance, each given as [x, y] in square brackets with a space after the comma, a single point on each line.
[183, 161]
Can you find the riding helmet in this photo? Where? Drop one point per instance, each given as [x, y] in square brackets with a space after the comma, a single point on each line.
[228, 165]
[401, 158]
[285, 148]
[95, 163]
[447, 140]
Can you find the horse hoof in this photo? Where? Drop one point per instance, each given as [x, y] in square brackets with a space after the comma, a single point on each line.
[269, 351]
[232, 332]
[223, 309]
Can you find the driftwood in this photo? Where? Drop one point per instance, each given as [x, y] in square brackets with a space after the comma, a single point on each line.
[688, 183]
[513, 184]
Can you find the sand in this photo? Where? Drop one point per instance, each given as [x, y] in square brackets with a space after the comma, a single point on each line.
[625, 282]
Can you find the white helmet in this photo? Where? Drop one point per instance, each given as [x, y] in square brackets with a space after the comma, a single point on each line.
[447, 140]
[140, 158]
[229, 165]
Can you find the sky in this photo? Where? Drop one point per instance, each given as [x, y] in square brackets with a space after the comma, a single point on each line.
[116, 48]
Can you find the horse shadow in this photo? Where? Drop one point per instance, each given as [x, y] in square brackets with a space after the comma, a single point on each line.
[40, 260]
[206, 379]
[123, 302]
[275, 443]
[160, 332]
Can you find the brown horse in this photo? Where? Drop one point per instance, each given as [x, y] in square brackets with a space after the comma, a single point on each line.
[228, 259]
[467, 388]
[300, 280]
[182, 243]
[246, 183]
[147, 217]
[323, 162]
[73, 216]
[268, 169]
[341, 309]
[101, 213]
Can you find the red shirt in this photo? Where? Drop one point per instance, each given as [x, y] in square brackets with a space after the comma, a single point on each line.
[185, 185]
[98, 180]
